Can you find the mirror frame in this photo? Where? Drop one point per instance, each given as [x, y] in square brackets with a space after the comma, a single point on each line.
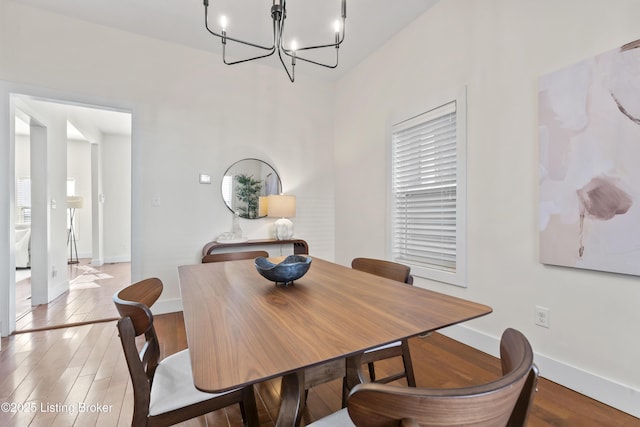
[254, 188]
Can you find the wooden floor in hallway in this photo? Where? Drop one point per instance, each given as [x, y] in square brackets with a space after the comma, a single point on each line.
[88, 298]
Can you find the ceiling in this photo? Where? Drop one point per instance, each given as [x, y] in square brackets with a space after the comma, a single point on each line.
[83, 123]
[369, 24]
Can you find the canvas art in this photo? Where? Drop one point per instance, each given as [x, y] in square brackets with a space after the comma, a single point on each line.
[589, 135]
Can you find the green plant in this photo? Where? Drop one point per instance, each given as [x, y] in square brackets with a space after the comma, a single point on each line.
[248, 192]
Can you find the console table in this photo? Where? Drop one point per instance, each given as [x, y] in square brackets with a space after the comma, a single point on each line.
[300, 247]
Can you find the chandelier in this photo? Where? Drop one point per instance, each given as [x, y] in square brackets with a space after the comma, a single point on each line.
[278, 16]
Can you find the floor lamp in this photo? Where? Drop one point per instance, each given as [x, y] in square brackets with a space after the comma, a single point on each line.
[73, 203]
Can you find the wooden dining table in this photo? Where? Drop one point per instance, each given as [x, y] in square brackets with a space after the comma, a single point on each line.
[243, 329]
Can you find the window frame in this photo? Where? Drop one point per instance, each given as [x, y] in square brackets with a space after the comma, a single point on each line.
[459, 277]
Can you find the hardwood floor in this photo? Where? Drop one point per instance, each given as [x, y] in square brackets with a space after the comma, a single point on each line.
[57, 370]
[88, 299]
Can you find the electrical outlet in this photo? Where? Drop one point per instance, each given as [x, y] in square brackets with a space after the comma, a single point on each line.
[54, 271]
[542, 316]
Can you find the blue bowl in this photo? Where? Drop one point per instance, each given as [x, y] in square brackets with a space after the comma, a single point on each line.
[292, 268]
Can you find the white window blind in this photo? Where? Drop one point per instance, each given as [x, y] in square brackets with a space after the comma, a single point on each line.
[425, 176]
[23, 192]
[23, 199]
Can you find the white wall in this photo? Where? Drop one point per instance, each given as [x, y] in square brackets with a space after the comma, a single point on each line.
[498, 49]
[191, 115]
[116, 170]
[116, 158]
[49, 276]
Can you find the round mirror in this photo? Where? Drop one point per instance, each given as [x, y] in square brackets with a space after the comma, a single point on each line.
[245, 182]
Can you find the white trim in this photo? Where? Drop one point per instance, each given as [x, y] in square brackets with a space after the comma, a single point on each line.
[7, 177]
[116, 259]
[164, 306]
[59, 289]
[612, 393]
[458, 278]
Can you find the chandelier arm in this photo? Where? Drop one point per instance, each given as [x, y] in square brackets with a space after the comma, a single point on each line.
[224, 51]
[321, 46]
[246, 43]
[291, 74]
[225, 37]
[315, 62]
[277, 35]
[291, 54]
[240, 61]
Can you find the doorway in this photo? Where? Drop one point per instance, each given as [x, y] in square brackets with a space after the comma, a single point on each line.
[80, 177]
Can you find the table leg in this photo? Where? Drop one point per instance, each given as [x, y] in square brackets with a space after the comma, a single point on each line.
[293, 401]
[355, 375]
[295, 384]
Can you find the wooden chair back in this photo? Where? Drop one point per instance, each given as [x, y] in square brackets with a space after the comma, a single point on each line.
[489, 405]
[509, 357]
[390, 270]
[133, 304]
[233, 256]
[401, 273]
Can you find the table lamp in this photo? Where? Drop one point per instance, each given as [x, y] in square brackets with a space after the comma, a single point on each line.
[263, 206]
[283, 207]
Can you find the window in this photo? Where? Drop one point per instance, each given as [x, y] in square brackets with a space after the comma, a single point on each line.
[23, 200]
[428, 184]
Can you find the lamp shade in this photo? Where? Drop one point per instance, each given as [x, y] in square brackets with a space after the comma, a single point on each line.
[75, 202]
[281, 206]
[263, 206]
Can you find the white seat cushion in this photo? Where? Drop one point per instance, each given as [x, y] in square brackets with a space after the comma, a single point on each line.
[382, 347]
[173, 385]
[337, 419]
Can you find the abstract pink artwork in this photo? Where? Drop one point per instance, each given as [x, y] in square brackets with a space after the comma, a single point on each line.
[589, 134]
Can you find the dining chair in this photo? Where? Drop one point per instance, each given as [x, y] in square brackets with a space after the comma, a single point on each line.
[400, 273]
[233, 256]
[503, 402]
[163, 390]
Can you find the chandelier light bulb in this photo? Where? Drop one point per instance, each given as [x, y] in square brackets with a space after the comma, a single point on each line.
[336, 26]
[223, 22]
[294, 45]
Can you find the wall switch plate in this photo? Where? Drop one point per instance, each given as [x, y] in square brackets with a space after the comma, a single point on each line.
[542, 316]
[204, 178]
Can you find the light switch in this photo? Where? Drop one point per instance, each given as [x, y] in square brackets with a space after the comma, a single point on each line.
[155, 201]
[205, 179]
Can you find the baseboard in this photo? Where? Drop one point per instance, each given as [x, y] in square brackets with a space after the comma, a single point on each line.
[57, 290]
[619, 396]
[109, 260]
[164, 306]
[117, 258]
